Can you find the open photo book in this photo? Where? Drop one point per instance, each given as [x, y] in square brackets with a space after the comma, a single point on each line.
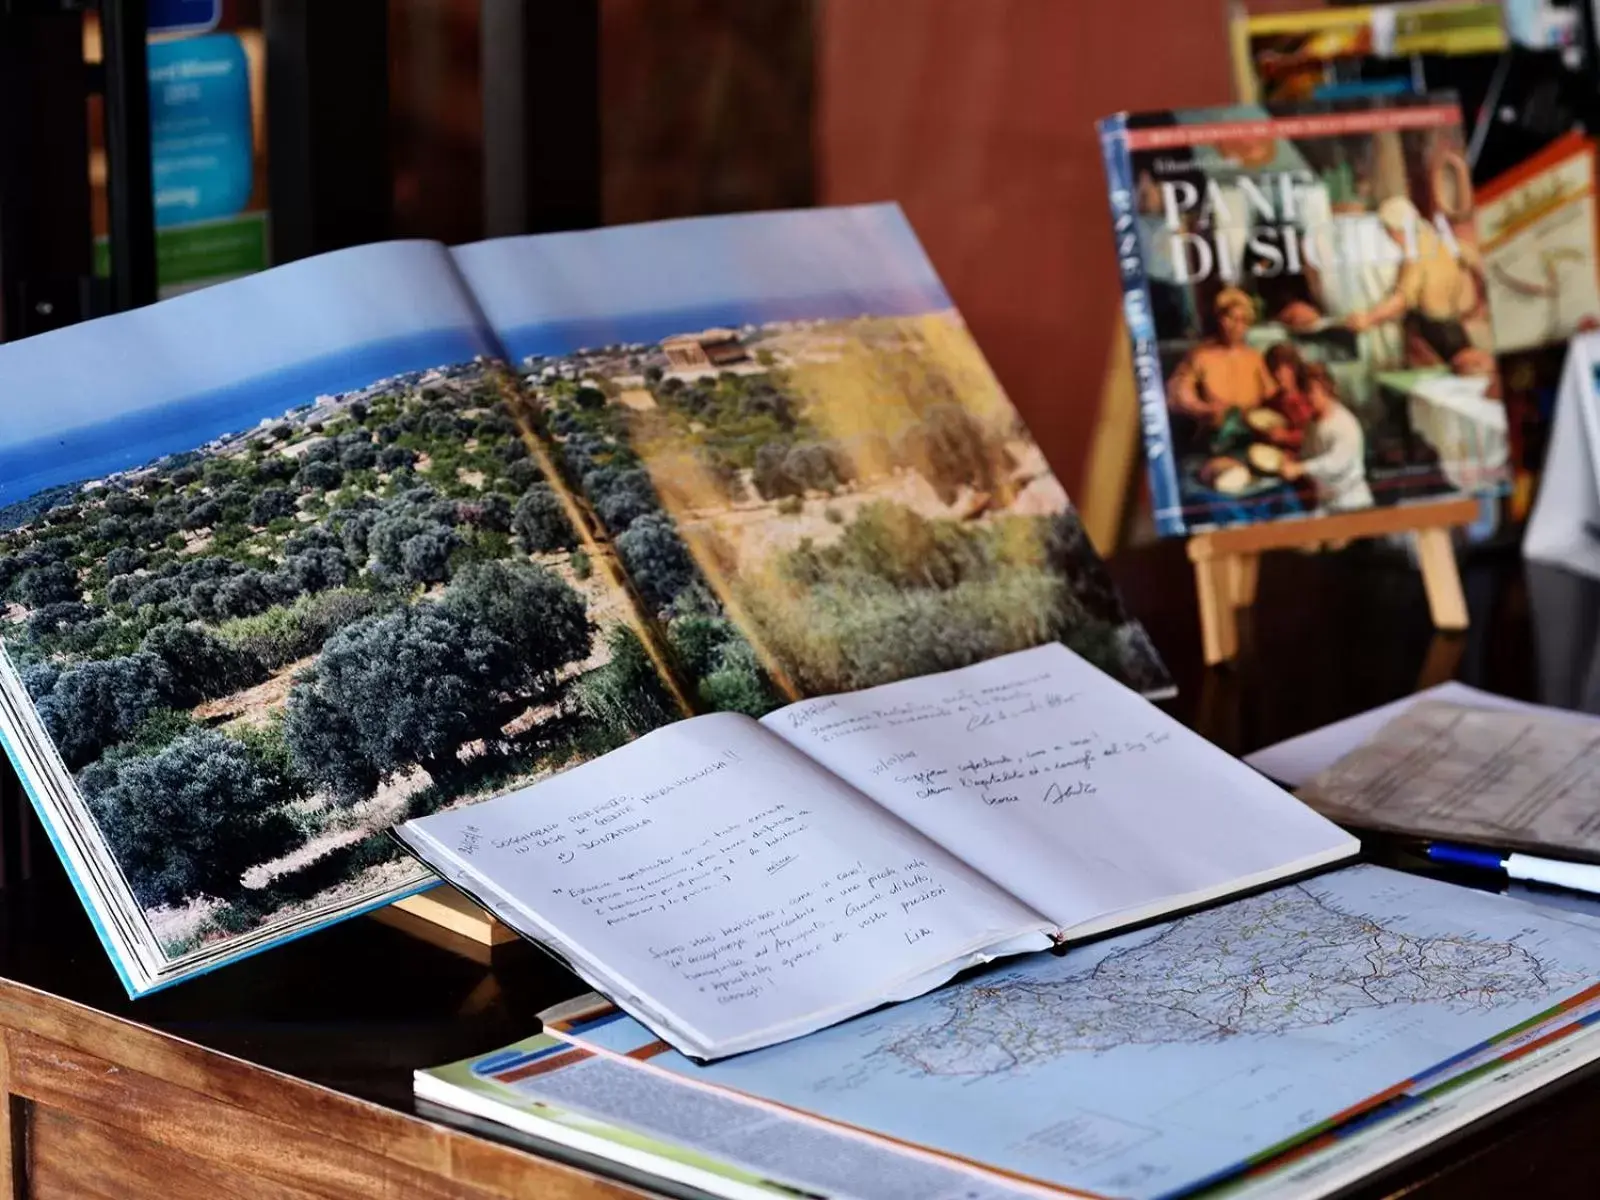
[400, 528]
[734, 882]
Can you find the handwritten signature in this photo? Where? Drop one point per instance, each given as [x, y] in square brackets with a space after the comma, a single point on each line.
[1058, 793]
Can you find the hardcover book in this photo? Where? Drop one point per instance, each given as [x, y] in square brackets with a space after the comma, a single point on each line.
[1306, 299]
[396, 529]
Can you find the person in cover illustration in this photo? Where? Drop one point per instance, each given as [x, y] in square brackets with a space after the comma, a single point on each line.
[1290, 400]
[1223, 372]
[1334, 450]
[1435, 291]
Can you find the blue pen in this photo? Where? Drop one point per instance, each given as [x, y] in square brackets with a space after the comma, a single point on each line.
[1579, 877]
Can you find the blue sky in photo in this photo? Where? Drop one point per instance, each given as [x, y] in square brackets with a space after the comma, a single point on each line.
[554, 293]
[222, 336]
[116, 393]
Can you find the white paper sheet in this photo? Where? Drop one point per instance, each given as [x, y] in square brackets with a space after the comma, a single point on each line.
[1520, 780]
[1562, 527]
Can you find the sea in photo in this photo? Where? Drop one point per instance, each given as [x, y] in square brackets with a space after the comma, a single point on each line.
[125, 439]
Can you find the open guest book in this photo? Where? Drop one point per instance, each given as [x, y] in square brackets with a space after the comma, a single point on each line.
[734, 883]
[397, 529]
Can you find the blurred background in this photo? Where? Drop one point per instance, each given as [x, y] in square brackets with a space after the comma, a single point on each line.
[977, 118]
[464, 119]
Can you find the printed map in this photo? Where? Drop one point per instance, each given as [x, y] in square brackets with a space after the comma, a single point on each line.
[1268, 965]
[1147, 1064]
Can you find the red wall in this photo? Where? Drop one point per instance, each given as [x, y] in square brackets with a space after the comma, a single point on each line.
[978, 117]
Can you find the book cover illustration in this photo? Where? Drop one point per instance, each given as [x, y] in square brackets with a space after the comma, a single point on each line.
[1537, 226]
[783, 426]
[1307, 305]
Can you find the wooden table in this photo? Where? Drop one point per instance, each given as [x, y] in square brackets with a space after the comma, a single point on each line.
[289, 1075]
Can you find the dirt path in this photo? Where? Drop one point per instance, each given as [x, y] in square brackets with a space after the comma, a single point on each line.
[254, 706]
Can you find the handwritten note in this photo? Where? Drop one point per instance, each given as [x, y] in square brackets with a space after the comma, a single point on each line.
[1044, 774]
[734, 882]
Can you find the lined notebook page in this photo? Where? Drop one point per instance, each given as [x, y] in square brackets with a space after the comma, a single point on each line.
[738, 888]
[1079, 796]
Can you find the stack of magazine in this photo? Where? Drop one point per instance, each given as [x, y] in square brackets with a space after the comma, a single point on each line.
[562, 1095]
[748, 895]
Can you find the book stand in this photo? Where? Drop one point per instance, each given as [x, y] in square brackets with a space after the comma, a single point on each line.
[448, 909]
[1226, 562]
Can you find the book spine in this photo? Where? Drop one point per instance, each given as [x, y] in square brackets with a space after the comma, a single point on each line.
[1138, 314]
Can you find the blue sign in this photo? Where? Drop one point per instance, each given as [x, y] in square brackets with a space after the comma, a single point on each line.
[201, 150]
[184, 16]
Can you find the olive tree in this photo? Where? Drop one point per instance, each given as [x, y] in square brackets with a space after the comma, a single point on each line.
[540, 522]
[191, 819]
[199, 664]
[411, 687]
[657, 560]
[95, 704]
[53, 583]
[271, 503]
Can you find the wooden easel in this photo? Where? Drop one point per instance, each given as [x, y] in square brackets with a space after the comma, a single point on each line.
[1227, 561]
[1111, 475]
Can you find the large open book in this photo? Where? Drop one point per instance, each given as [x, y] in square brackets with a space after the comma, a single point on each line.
[399, 528]
[734, 883]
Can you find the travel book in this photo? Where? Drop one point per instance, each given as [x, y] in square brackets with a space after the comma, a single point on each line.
[1282, 1044]
[735, 882]
[399, 528]
[1305, 297]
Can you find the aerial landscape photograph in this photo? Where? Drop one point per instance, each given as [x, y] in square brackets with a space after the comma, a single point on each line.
[257, 655]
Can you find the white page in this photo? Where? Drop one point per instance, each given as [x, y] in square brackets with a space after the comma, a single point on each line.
[1079, 796]
[1296, 760]
[743, 892]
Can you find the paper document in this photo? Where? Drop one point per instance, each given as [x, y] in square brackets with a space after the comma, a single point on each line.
[1086, 801]
[1294, 761]
[1513, 780]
